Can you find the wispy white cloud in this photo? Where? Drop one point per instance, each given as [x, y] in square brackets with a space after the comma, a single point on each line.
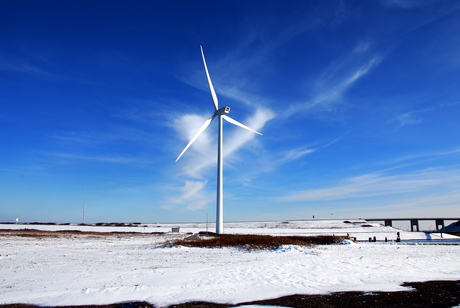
[239, 137]
[112, 159]
[202, 154]
[187, 126]
[414, 159]
[260, 43]
[112, 135]
[405, 4]
[450, 104]
[291, 155]
[277, 159]
[378, 184]
[295, 154]
[192, 195]
[433, 204]
[417, 116]
[18, 66]
[435, 201]
[339, 77]
[410, 118]
[27, 66]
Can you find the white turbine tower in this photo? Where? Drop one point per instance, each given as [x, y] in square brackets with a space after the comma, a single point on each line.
[221, 114]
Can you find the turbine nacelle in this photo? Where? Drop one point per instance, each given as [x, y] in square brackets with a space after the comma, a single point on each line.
[222, 111]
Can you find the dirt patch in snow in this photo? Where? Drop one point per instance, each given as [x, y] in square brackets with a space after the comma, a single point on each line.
[39, 234]
[253, 241]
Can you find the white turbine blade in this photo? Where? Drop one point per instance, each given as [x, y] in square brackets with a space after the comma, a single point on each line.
[202, 128]
[239, 124]
[211, 88]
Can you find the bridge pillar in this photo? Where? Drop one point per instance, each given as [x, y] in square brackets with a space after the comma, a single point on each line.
[388, 223]
[439, 222]
[414, 225]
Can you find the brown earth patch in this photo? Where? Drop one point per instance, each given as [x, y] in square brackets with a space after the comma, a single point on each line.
[253, 242]
[40, 234]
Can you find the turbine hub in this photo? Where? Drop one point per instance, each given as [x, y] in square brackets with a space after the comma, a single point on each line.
[222, 111]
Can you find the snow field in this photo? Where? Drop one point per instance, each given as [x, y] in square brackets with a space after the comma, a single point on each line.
[85, 269]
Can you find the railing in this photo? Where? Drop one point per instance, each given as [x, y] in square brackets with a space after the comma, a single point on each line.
[414, 222]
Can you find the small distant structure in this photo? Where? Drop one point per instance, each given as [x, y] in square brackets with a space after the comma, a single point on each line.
[17, 220]
[84, 209]
[175, 230]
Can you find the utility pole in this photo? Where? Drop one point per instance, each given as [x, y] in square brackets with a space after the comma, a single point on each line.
[84, 208]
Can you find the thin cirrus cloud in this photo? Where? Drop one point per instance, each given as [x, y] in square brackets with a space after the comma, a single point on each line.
[295, 154]
[417, 116]
[187, 125]
[339, 77]
[299, 152]
[112, 159]
[19, 66]
[378, 184]
[191, 194]
[410, 118]
[405, 4]
[110, 135]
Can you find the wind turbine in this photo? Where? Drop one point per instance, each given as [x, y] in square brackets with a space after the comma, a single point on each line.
[221, 114]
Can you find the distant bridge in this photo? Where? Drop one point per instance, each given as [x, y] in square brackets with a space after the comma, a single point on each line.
[414, 222]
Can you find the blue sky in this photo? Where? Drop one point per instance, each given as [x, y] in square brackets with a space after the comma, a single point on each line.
[358, 103]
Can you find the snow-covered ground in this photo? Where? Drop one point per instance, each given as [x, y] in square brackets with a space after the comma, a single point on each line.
[360, 229]
[101, 269]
